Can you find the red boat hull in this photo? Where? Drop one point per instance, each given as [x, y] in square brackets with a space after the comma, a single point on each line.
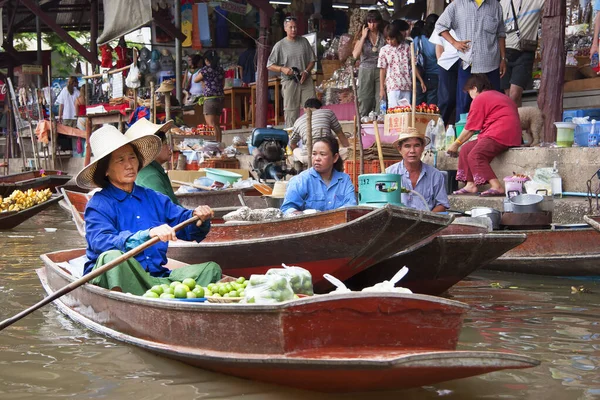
[334, 343]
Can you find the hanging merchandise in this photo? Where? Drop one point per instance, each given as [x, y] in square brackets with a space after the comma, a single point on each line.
[166, 61]
[145, 56]
[133, 78]
[121, 51]
[155, 62]
[107, 60]
[221, 28]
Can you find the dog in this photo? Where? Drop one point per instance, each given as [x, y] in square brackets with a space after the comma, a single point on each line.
[532, 124]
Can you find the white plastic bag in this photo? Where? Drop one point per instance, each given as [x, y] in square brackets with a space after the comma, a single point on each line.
[299, 278]
[390, 286]
[267, 289]
[133, 77]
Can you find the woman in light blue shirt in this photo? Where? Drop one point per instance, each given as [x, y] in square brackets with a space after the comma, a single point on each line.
[322, 187]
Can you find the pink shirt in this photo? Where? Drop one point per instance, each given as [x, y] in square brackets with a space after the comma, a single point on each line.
[496, 116]
[396, 61]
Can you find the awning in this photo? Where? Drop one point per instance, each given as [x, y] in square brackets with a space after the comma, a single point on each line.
[122, 17]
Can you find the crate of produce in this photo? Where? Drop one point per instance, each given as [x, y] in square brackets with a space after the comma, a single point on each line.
[224, 163]
[370, 167]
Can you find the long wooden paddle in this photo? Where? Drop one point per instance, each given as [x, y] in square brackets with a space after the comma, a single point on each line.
[86, 278]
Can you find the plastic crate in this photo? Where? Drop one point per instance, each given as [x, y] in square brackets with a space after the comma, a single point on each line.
[232, 163]
[582, 132]
[568, 115]
[593, 113]
[370, 167]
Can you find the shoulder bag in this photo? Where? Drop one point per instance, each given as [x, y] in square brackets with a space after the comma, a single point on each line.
[524, 44]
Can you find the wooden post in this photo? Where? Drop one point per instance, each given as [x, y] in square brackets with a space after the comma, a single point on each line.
[309, 137]
[414, 82]
[379, 151]
[53, 135]
[167, 106]
[550, 98]
[262, 80]
[358, 123]
[152, 103]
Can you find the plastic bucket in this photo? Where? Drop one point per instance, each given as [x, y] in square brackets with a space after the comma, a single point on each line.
[378, 190]
[565, 134]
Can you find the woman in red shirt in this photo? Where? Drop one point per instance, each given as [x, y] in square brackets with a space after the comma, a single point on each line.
[496, 116]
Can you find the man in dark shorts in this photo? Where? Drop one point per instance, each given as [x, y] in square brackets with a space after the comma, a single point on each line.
[518, 61]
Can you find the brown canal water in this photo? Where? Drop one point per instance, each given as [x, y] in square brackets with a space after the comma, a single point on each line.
[47, 356]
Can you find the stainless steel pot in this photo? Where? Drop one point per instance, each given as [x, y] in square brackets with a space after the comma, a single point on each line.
[527, 203]
[493, 214]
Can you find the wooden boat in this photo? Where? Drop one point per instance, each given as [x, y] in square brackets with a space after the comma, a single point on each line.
[441, 260]
[75, 203]
[351, 342]
[32, 180]
[571, 251]
[10, 219]
[223, 198]
[340, 242]
[593, 221]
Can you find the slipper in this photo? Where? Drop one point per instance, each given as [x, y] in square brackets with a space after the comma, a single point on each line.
[491, 193]
[464, 191]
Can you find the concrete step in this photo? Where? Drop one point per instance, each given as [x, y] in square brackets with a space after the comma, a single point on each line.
[567, 210]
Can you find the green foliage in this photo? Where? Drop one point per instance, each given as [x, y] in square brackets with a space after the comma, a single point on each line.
[64, 65]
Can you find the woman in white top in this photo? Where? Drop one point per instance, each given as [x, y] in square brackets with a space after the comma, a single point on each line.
[66, 100]
[196, 89]
[448, 60]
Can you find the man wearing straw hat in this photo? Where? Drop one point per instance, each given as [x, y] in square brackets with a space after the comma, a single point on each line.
[123, 215]
[154, 176]
[418, 176]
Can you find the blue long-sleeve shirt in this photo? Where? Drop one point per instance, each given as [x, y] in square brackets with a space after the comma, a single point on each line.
[430, 185]
[117, 220]
[309, 191]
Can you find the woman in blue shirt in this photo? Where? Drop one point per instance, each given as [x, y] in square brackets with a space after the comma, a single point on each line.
[322, 187]
[124, 215]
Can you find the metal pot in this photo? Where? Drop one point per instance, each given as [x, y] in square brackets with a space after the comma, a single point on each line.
[493, 214]
[527, 203]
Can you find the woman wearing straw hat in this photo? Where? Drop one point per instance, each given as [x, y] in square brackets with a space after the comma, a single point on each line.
[123, 215]
[153, 176]
[418, 176]
[324, 186]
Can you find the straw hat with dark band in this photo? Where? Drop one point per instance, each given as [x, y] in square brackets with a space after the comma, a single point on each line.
[105, 141]
[166, 87]
[411, 132]
[144, 127]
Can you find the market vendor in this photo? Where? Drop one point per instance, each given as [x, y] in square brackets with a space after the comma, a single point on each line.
[153, 176]
[418, 176]
[124, 215]
[496, 116]
[322, 123]
[322, 187]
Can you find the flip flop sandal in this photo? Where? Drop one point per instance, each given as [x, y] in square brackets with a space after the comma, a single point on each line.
[491, 193]
[463, 191]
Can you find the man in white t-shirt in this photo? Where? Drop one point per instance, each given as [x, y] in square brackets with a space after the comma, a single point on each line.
[66, 100]
[448, 58]
[519, 61]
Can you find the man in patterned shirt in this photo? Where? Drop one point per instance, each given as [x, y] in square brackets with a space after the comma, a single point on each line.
[479, 26]
[322, 123]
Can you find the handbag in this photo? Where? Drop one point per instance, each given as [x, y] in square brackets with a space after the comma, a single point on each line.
[525, 44]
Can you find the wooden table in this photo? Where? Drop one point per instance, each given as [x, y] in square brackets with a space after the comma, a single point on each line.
[275, 83]
[234, 93]
[110, 117]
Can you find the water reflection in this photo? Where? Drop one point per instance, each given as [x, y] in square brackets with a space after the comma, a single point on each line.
[47, 356]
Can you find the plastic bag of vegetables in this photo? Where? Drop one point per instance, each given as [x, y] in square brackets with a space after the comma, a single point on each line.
[299, 278]
[266, 289]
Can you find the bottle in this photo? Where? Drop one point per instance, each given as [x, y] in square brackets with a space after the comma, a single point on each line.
[382, 107]
[430, 132]
[450, 137]
[593, 136]
[556, 182]
[594, 62]
[439, 136]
